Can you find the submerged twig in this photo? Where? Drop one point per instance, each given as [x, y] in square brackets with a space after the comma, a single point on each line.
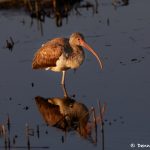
[10, 44]
[101, 112]
[27, 136]
[8, 123]
[38, 131]
[95, 123]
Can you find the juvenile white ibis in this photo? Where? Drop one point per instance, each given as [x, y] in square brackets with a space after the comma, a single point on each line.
[64, 113]
[61, 54]
[69, 114]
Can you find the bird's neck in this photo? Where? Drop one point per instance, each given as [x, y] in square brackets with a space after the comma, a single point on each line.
[76, 58]
[76, 49]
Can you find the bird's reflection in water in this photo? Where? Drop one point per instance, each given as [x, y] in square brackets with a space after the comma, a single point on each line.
[66, 114]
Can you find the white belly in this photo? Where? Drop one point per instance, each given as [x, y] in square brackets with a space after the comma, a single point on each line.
[66, 62]
[60, 64]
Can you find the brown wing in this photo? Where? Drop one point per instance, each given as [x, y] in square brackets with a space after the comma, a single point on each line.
[47, 56]
[51, 113]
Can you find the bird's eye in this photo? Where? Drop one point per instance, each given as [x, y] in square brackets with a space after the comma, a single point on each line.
[78, 39]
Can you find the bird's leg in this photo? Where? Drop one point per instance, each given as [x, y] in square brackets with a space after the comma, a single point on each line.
[63, 78]
[65, 91]
[63, 84]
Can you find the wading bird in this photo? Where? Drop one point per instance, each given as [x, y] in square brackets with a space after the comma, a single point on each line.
[61, 54]
[69, 114]
[65, 113]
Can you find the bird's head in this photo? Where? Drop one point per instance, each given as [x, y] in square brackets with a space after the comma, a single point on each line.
[78, 39]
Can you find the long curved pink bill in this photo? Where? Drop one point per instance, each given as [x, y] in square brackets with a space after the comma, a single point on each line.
[84, 44]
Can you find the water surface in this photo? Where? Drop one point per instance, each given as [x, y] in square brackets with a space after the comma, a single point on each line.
[120, 35]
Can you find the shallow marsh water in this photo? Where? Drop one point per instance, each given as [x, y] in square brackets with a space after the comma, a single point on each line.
[120, 35]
